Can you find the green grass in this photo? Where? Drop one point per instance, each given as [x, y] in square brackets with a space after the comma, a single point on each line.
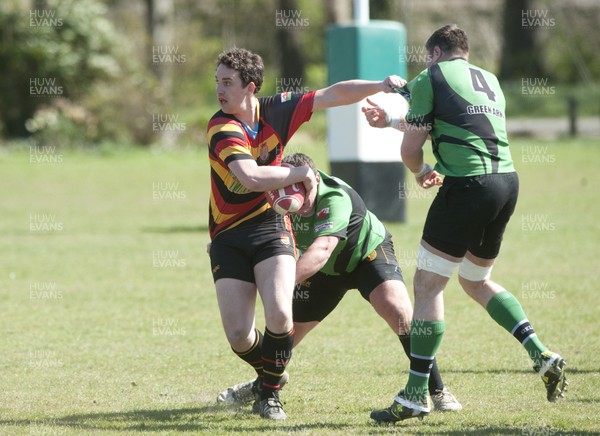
[541, 97]
[97, 338]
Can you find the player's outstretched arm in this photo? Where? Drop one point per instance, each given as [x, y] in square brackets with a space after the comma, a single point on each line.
[353, 91]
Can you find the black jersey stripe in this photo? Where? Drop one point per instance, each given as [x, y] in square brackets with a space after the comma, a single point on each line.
[452, 109]
[355, 224]
[234, 199]
[226, 134]
[237, 156]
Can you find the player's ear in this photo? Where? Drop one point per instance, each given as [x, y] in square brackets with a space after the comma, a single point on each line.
[436, 54]
[251, 87]
[318, 177]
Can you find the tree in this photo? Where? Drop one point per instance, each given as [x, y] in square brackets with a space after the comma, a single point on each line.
[49, 54]
[338, 11]
[160, 31]
[290, 54]
[521, 54]
[381, 9]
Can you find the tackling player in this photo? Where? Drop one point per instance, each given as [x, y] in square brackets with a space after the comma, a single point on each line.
[252, 247]
[462, 107]
[344, 246]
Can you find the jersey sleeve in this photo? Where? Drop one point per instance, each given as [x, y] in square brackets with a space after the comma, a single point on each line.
[332, 215]
[227, 141]
[420, 113]
[286, 112]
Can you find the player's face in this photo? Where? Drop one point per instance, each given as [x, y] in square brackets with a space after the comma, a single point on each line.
[232, 97]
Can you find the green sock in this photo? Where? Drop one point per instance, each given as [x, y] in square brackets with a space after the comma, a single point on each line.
[506, 310]
[425, 339]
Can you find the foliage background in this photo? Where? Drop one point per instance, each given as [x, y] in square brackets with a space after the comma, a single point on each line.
[102, 57]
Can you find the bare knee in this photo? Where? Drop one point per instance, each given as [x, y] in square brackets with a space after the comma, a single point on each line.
[279, 320]
[428, 284]
[471, 287]
[480, 291]
[474, 277]
[390, 300]
[240, 339]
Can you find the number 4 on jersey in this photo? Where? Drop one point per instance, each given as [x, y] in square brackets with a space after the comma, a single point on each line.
[480, 85]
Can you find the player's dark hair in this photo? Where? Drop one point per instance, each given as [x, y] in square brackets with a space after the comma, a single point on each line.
[248, 64]
[449, 39]
[299, 160]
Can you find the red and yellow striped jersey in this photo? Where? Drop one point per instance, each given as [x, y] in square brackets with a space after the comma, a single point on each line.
[279, 117]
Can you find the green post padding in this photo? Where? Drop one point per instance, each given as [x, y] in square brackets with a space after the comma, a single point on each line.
[370, 52]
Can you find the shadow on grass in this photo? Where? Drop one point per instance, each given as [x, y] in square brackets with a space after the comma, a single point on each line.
[513, 371]
[176, 229]
[206, 418]
[403, 428]
[225, 420]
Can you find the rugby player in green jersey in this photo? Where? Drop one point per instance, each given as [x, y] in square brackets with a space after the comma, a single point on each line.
[461, 107]
[344, 246]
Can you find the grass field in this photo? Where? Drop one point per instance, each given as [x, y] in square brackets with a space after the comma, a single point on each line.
[110, 323]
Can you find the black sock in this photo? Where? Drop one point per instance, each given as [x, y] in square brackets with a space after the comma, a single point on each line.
[435, 379]
[253, 355]
[276, 353]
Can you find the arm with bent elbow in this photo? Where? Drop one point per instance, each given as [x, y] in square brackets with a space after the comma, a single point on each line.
[266, 178]
[411, 151]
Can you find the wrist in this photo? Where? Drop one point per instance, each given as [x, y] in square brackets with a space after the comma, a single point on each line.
[392, 116]
[393, 122]
[425, 169]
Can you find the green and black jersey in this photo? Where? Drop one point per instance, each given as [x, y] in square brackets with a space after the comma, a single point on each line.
[463, 108]
[340, 212]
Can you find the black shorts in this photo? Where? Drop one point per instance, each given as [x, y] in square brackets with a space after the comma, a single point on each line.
[318, 295]
[471, 213]
[235, 252]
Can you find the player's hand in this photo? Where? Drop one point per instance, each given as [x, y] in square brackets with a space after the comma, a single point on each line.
[392, 82]
[429, 180]
[310, 184]
[375, 115]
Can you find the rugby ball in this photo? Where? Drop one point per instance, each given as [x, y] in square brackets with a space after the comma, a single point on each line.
[287, 200]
